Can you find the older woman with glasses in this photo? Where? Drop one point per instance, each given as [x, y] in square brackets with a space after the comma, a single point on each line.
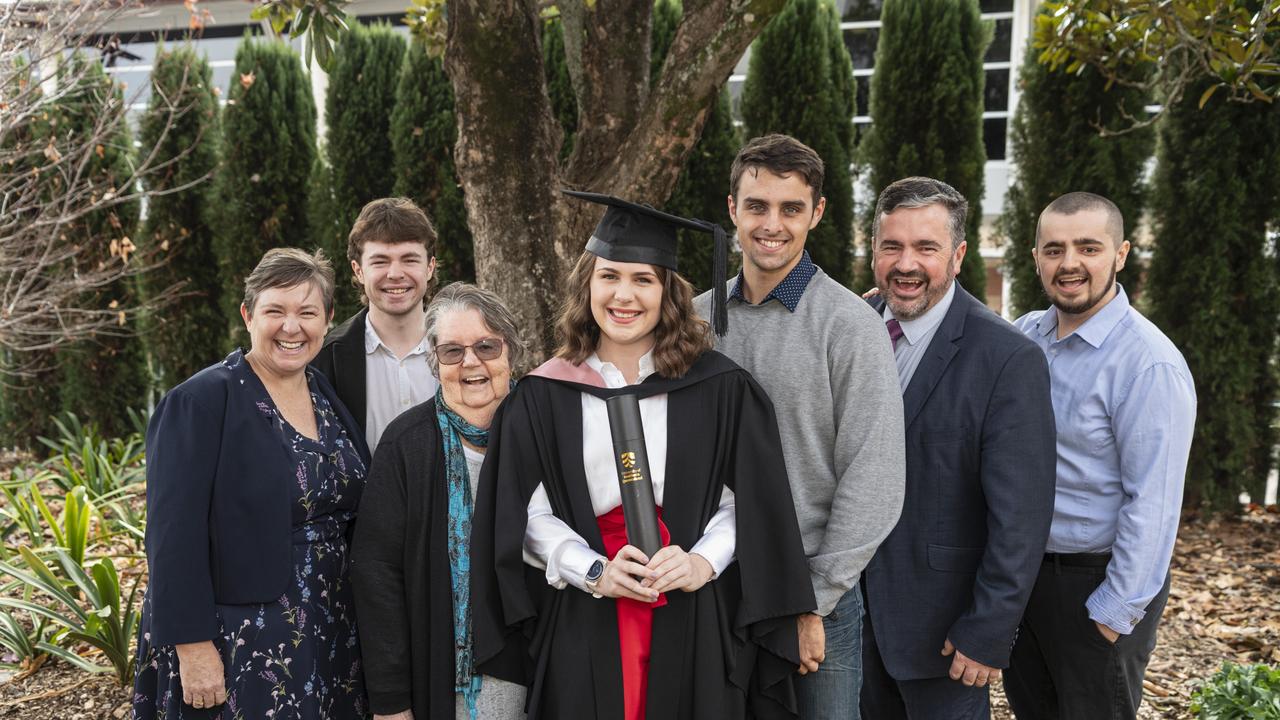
[411, 566]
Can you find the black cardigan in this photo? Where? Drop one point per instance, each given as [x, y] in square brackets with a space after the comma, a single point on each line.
[342, 361]
[400, 572]
[218, 512]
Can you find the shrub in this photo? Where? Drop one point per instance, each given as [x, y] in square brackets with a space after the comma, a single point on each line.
[1057, 149]
[926, 110]
[423, 133]
[704, 182]
[358, 105]
[564, 104]
[269, 131]
[82, 457]
[1213, 282]
[107, 372]
[182, 122]
[1239, 692]
[104, 618]
[22, 639]
[800, 82]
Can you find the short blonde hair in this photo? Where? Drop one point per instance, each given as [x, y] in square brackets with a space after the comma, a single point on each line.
[286, 268]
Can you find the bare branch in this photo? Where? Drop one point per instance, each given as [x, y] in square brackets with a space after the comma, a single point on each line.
[60, 281]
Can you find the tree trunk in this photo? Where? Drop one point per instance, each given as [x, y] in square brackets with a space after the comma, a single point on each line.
[632, 138]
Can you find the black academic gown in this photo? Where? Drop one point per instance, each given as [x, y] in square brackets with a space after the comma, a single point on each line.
[728, 650]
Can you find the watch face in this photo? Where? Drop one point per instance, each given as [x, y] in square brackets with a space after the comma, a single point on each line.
[596, 570]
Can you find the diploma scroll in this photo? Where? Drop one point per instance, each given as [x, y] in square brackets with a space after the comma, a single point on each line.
[632, 460]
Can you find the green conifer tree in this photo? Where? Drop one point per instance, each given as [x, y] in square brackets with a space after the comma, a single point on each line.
[29, 383]
[423, 133]
[358, 105]
[800, 82]
[1057, 149]
[926, 110]
[559, 85]
[182, 121]
[1213, 282]
[704, 182]
[101, 377]
[269, 141]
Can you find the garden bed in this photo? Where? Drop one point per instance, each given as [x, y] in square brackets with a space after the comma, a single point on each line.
[1226, 578]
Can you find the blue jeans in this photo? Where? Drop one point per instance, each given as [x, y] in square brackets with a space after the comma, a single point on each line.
[832, 692]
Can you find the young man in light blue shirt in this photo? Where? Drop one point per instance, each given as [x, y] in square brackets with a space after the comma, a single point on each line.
[1125, 407]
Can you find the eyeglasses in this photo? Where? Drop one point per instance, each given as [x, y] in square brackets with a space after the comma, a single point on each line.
[452, 353]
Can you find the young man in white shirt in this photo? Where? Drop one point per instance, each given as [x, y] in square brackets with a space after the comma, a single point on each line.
[377, 359]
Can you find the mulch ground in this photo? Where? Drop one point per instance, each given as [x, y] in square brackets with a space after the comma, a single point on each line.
[1222, 606]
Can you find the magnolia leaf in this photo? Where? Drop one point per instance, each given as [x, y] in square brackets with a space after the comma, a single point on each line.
[1204, 98]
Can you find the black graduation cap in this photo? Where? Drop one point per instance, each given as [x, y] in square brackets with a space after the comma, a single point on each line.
[630, 232]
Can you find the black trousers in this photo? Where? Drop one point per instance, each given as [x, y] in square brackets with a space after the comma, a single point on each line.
[884, 698]
[1062, 667]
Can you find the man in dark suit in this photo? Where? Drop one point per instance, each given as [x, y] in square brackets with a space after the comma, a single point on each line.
[945, 591]
[377, 359]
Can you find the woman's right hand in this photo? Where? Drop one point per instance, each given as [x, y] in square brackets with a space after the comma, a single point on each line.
[619, 578]
[402, 715]
[200, 669]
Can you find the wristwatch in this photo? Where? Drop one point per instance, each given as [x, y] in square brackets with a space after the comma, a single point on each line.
[594, 573]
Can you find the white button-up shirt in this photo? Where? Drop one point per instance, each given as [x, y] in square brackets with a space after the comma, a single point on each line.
[392, 384]
[916, 336]
[550, 543]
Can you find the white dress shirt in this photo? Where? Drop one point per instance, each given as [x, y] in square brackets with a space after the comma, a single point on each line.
[550, 543]
[392, 385]
[916, 335]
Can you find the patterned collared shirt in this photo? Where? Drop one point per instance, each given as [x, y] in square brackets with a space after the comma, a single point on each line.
[787, 292]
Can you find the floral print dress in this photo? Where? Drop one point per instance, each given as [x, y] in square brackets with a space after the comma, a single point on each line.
[297, 658]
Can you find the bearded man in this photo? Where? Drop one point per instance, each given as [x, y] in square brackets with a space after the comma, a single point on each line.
[945, 590]
[1125, 407]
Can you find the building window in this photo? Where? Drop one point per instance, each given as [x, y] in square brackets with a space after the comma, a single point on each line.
[860, 26]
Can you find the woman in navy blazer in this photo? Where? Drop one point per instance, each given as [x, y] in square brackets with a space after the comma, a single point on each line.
[254, 472]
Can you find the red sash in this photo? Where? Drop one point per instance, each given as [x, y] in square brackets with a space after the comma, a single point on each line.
[635, 619]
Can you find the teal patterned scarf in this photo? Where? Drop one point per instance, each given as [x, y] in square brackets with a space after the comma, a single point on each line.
[453, 429]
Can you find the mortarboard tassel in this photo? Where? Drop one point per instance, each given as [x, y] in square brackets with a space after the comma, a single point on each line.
[719, 278]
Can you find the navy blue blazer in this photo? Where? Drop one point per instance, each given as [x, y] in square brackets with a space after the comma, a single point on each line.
[219, 521]
[981, 459]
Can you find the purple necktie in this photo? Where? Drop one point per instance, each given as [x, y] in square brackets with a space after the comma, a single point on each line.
[895, 331]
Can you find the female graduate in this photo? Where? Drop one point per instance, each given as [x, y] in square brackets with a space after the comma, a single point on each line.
[705, 628]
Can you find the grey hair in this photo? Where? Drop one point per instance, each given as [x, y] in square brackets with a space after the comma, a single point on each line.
[286, 268]
[1074, 202]
[494, 312]
[918, 192]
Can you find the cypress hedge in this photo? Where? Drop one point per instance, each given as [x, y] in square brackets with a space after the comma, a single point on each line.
[100, 377]
[423, 133]
[358, 106]
[704, 182]
[1057, 148]
[28, 383]
[1213, 282]
[180, 224]
[926, 110]
[800, 82]
[269, 127]
[564, 104]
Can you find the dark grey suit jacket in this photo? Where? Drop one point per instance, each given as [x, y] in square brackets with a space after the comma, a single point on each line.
[981, 465]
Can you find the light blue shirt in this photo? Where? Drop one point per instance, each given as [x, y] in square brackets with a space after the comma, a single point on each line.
[1125, 406]
[916, 335]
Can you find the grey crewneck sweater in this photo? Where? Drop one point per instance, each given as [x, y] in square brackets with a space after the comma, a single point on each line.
[829, 369]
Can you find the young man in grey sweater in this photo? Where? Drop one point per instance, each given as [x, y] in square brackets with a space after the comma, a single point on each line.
[824, 357]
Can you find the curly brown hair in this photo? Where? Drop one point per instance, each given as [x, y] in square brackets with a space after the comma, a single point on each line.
[680, 337]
